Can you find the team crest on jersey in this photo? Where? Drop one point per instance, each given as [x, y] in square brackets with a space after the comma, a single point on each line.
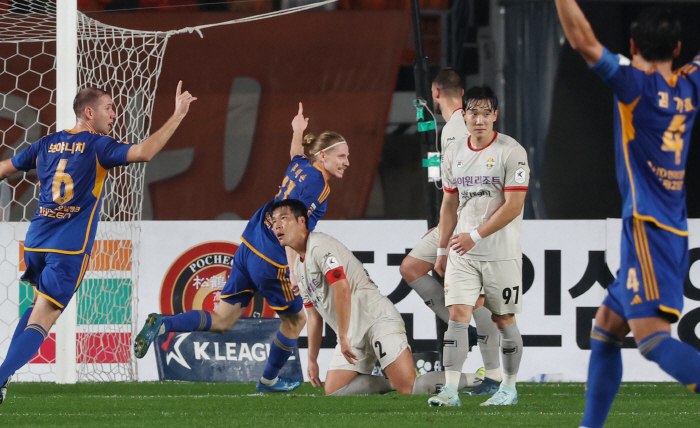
[460, 164]
[195, 279]
[490, 163]
[332, 262]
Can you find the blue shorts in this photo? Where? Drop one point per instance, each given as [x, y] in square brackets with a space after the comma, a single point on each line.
[251, 273]
[56, 276]
[653, 267]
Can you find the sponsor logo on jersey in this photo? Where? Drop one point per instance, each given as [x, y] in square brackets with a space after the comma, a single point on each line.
[520, 176]
[490, 163]
[468, 195]
[473, 180]
[195, 279]
[460, 164]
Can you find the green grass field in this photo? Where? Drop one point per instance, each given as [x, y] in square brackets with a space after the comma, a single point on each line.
[183, 404]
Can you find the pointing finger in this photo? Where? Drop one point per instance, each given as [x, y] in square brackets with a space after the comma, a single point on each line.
[179, 88]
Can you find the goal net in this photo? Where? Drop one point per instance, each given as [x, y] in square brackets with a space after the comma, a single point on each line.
[126, 64]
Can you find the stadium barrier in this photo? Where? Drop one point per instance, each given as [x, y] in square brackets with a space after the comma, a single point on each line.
[239, 355]
[566, 264]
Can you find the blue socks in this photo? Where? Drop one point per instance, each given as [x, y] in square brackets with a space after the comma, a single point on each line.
[280, 351]
[22, 349]
[23, 321]
[604, 377]
[676, 358]
[188, 321]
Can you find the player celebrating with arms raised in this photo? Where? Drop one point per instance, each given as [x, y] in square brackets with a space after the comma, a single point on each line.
[261, 263]
[486, 182]
[655, 108]
[72, 165]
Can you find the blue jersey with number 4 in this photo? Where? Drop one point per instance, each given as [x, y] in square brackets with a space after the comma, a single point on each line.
[653, 121]
[303, 181]
[72, 168]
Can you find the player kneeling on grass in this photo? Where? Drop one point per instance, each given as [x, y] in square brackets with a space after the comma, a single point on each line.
[337, 289]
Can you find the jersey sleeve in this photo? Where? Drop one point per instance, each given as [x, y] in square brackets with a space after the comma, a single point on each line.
[328, 262]
[313, 195]
[517, 171]
[448, 182]
[26, 159]
[111, 152]
[620, 75]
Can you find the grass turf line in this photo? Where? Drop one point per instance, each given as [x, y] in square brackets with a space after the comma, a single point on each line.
[176, 404]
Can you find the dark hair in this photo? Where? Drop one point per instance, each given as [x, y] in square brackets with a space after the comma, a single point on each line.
[656, 31]
[480, 93]
[295, 206]
[449, 82]
[86, 98]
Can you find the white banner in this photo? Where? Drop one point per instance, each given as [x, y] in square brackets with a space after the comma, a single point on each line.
[565, 263]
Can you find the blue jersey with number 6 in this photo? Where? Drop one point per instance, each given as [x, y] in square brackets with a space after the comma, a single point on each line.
[653, 122]
[303, 181]
[72, 168]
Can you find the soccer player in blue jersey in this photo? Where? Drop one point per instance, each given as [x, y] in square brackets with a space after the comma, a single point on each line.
[655, 108]
[72, 166]
[261, 263]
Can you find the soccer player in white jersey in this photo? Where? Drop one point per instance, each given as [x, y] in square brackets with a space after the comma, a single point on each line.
[336, 289]
[485, 181]
[447, 91]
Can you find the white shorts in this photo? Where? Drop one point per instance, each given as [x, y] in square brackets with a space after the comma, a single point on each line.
[501, 283]
[426, 248]
[384, 341]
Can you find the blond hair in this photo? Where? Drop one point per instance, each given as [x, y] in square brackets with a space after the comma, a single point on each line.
[322, 142]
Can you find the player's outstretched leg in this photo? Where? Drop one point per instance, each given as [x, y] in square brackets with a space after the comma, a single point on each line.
[281, 349]
[157, 324]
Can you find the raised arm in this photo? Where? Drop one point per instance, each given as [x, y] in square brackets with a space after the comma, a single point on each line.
[578, 31]
[145, 151]
[299, 124]
[448, 222]
[7, 169]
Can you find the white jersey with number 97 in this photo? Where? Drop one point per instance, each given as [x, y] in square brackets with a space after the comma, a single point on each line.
[482, 176]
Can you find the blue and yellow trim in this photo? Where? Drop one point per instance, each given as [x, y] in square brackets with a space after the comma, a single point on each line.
[628, 134]
[651, 288]
[326, 189]
[38, 328]
[36, 290]
[261, 255]
[235, 294]
[674, 312]
[285, 283]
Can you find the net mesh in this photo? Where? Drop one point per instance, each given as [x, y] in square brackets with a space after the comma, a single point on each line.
[126, 64]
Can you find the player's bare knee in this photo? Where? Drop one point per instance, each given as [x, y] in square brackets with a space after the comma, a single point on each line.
[408, 270]
[503, 321]
[220, 324]
[294, 323]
